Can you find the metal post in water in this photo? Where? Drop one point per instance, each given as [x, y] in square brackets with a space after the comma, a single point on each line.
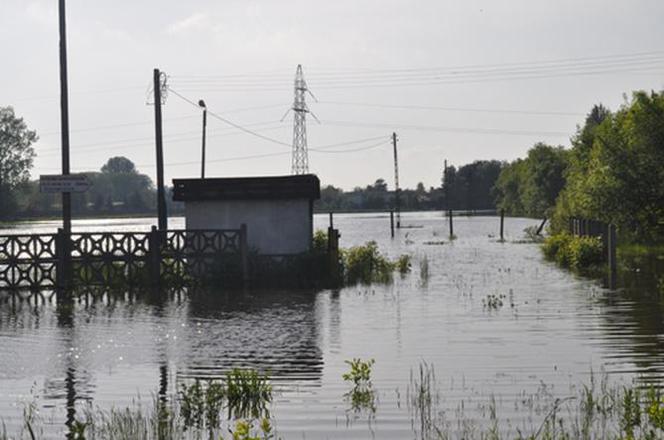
[502, 224]
[449, 215]
[392, 223]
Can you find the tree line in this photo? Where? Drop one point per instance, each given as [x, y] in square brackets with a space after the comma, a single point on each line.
[613, 172]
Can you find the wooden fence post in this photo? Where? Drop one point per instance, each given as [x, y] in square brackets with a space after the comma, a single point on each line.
[244, 253]
[449, 214]
[502, 224]
[154, 244]
[612, 251]
[392, 223]
[333, 253]
[541, 227]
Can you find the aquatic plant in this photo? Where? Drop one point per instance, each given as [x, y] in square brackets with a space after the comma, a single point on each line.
[424, 270]
[403, 264]
[245, 430]
[365, 264]
[493, 302]
[248, 393]
[361, 396]
[200, 407]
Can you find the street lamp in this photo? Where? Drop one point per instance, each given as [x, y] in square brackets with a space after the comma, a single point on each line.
[201, 103]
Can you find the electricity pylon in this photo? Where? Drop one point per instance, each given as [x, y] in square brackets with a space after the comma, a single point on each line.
[300, 160]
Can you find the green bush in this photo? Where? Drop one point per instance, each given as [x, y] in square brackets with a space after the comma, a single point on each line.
[365, 264]
[585, 252]
[579, 253]
[553, 245]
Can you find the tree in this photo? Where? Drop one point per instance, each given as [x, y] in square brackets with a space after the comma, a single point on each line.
[531, 186]
[616, 174]
[119, 165]
[16, 158]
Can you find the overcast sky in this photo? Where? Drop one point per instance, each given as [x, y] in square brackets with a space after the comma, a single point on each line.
[457, 80]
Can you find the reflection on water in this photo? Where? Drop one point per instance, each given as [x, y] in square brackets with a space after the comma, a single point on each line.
[553, 328]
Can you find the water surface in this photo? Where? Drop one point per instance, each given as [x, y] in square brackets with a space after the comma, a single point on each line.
[552, 329]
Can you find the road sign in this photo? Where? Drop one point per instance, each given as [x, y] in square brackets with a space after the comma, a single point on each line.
[71, 183]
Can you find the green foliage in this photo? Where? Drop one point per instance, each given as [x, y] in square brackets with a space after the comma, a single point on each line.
[554, 244]
[585, 252]
[200, 406]
[16, 159]
[530, 186]
[403, 264]
[248, 393]
[471, 186]
[361, 395]
[319, 243]
[579, 253]
[365, 264]
[616, 170]
[245, 430]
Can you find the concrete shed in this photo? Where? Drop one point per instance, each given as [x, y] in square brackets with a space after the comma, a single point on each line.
[278, 211]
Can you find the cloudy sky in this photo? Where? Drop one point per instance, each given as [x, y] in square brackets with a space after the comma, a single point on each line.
[457, 80]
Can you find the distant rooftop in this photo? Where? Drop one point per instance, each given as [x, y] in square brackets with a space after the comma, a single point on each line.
[303, 186]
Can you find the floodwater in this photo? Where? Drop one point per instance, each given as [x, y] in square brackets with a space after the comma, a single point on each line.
[553, 328]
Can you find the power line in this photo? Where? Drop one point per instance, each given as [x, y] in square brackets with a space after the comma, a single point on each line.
[452, 109]
[339, 72]
[239, 127]
[446, 129]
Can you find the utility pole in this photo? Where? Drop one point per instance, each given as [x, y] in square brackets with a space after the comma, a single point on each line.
[158, 78]
[397, 190]
[201, 103]
[446, 187]
[64, 116]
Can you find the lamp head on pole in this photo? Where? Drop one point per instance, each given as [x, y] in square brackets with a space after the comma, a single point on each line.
[201, 104]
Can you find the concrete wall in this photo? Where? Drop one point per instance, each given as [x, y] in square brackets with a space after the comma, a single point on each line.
[273, 226]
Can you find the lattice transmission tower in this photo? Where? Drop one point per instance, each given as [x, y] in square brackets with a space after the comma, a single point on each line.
[300, 161]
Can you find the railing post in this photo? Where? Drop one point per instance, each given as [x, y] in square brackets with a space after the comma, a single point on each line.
[155, 256]
[244, 253]
[63, 263]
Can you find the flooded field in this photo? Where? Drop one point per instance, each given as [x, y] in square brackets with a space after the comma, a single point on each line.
[546, 333]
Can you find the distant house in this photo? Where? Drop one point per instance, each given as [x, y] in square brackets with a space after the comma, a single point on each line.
[278, 211]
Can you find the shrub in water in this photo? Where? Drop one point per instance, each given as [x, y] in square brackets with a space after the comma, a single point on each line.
[365, 264]
[554, 247]
[585, 252]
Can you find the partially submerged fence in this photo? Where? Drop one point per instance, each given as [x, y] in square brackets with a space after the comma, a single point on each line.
[62, 260]
[605, 231]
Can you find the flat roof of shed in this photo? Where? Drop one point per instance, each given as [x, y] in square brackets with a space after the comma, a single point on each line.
[301, 186]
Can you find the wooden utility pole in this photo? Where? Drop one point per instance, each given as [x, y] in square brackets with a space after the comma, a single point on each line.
[397, 190]
[201, 103]
[64, 116]
[161, 198]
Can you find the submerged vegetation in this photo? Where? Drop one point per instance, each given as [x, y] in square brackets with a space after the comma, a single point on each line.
[362, 396]
[596, 410]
